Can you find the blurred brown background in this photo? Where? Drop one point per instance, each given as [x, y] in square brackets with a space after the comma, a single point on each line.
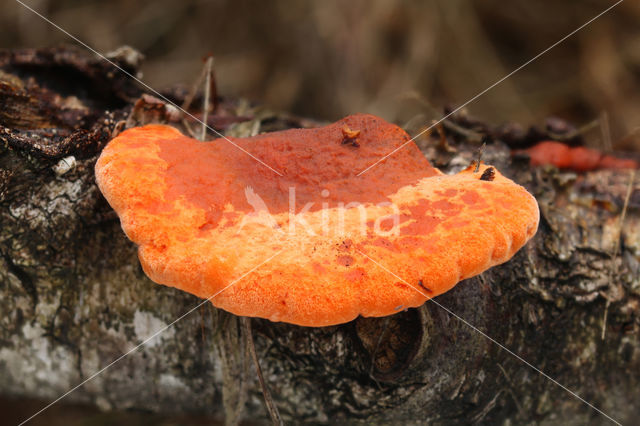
[332, 58]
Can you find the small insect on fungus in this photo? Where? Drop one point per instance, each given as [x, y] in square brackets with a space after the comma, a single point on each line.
[489, 174]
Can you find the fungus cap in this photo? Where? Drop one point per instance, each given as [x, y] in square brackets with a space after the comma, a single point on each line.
[206, 213]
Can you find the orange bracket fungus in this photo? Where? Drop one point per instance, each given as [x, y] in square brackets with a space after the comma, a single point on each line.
[206, 213]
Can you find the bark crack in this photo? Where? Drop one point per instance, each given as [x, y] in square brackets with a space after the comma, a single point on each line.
[25, 279]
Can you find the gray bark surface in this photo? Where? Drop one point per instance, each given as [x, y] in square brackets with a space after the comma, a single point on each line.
[73, 297]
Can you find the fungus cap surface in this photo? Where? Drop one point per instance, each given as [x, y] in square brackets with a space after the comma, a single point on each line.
[206, 213]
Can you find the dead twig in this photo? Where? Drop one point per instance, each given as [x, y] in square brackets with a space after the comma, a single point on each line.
[577, 132]
[469, 134]
[207, 94]
[616, 250]
[510, 390]
[194, 89]
[385, 327]
[271, 406]
[205, 75]
[478, 159]
[605, 131]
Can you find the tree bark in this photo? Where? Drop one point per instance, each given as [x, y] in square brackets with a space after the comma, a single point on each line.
[73, 297]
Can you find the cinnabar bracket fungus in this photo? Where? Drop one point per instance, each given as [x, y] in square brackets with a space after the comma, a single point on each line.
[206, 213]
[579, 159]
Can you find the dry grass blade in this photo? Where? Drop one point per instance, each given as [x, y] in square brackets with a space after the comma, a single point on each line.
[207, 95]
[616, 251]
[271, 406]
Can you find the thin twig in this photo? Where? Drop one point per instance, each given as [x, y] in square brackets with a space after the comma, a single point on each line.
[207, 94]
[189, 99]
[605, 131]
[510, 390]
[577, 132]
[444, 143]
[271, 406]
[190, 130]
[479, 157]
[616, 250]
[385, 327]
[194, 89]
[469, 134]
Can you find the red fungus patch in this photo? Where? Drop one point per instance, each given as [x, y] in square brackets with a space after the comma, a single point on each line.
[580, 159]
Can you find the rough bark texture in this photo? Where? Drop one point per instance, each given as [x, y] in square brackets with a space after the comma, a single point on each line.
[73, 297]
